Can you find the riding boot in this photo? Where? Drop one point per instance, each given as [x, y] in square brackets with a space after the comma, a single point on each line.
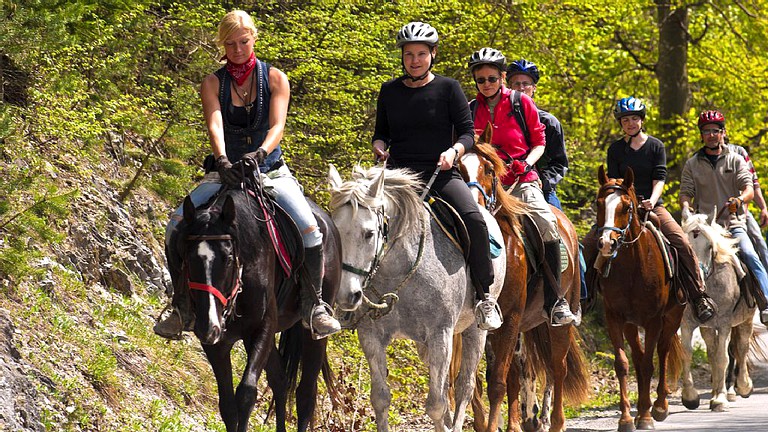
[181, 317]
[559, 311]
[317, 314]
[703, 306]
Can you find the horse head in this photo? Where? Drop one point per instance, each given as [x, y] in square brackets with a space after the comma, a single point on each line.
[711, 243]
[363, 230]
[616, 211]
[212, 266]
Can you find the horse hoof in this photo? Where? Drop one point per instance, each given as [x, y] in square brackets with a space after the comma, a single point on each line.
[716, 406]
[626, 427]
[731, 396]
[644, 424]
[532, 426]
[745, 394]
[659, 414]
[692, 404]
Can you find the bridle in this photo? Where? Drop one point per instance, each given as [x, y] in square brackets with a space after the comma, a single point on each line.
[490, 199]
[623, 232]
[382, 238]
[228, 302]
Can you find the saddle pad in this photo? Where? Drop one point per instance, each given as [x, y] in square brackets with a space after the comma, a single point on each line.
[449, 222]
[535, 250]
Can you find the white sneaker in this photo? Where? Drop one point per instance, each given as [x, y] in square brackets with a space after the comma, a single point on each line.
[488, 314]
[561, 314]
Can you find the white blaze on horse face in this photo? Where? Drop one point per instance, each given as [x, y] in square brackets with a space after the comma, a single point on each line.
[207, 255]
[612, 201]
[472, 163]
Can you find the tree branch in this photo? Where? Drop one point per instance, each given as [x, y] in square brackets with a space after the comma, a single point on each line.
[744, 9]
[625, 46]
[730, 24]
[758, 137]
[124, 194]
[696, 40]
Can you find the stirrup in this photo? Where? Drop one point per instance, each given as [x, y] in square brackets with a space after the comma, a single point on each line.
[561, 314]
[320, 309]
[484, 314]
[764, 316]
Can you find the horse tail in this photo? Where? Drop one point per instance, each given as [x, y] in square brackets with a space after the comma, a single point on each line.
[538, 346]
[674, 361]
[330, 384]
[758, 348]
[290, 348]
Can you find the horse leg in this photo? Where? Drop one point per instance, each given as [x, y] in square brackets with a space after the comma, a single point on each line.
[502, 343]
[743, 334]
[221, 363]
[717, 363]
[516, 370]
[546, 402]
[560, 342]
[690, 397]
[258, 348]
[374, 346]
[278, 382]
[473, 341]
[312, 358]
[621, 366]
[439, 348]
[669, 351]
[529, 404]
[730, 372]
[642, 358]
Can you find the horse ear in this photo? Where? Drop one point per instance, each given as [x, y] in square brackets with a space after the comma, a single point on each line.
[487, 134]
[228, 212]
[629, 178]
[713, 217]
[686, 213]
[334, 177]
[601, 176]
[189, 210]
[377, 187]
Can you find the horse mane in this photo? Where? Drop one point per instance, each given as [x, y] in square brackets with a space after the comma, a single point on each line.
[401, 198]
[723, 244]
[509, 206]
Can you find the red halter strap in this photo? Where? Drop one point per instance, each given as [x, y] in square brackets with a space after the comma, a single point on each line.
[212, 289]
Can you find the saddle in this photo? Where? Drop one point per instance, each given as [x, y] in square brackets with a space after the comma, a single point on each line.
[451, 224]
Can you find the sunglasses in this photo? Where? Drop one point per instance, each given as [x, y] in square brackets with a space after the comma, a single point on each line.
[492, 80]
[712, 132]
[521, 84]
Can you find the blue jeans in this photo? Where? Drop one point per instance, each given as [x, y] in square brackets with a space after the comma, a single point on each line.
[750, 258]
[552, 198]
[281, 186]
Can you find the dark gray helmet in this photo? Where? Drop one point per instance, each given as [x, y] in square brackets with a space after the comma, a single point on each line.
[417, 32]
[487, 56]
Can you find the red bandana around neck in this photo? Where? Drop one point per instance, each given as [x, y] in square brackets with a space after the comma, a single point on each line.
[240, 71]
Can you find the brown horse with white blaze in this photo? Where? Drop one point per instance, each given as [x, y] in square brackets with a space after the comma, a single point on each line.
[637, 292]
[556, 348]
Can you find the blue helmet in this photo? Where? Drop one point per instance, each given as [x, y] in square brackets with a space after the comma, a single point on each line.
[523, 66]
[629, 106]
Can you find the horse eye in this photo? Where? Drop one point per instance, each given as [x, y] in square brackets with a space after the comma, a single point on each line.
[369, 234]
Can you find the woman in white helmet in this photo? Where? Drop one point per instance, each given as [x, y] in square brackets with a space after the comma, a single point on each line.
[416, 117]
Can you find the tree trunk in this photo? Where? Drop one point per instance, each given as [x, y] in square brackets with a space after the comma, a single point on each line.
[672, 74]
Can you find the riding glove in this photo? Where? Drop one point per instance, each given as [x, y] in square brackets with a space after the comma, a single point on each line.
[254, 159]
[227, 175]
[519, 167]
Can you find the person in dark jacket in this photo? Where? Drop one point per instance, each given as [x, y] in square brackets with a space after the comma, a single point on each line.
[416, 117]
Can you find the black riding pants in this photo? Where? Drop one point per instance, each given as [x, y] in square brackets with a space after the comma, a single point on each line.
[451, 187]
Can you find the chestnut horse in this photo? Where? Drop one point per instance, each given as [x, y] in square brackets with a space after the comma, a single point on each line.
[637, 292]
[554, 348]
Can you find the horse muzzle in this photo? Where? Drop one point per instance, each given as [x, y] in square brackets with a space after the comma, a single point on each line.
[607, 244]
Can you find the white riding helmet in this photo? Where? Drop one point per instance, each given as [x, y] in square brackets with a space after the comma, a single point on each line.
[417, 32]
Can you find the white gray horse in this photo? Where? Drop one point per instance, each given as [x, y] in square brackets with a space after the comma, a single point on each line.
[716, 251]
[395, 254]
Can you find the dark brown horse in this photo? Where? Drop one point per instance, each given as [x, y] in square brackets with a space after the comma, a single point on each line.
[556, 348]
[637, 292]
[238, 290]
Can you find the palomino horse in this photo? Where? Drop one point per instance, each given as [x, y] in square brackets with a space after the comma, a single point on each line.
[636, 293]
[223, 254]
[395, 253]
[554, 349]
[716, 250]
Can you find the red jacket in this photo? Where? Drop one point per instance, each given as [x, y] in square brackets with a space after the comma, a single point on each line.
[507, 134]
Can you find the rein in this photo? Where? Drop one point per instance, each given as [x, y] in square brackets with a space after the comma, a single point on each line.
[622, 240]
[388, 300]
[490, 199]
